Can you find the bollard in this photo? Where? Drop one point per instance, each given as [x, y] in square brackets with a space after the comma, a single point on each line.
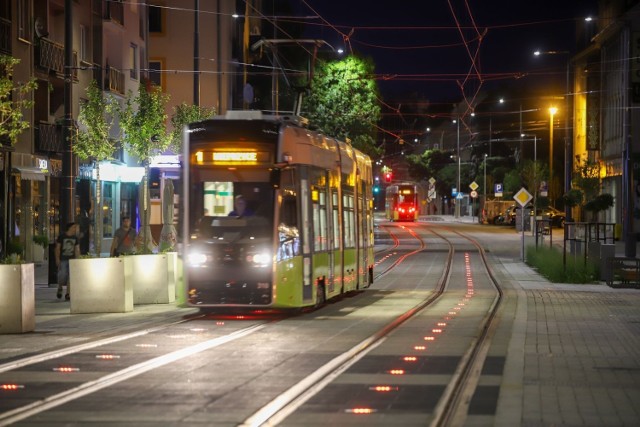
[630, 245]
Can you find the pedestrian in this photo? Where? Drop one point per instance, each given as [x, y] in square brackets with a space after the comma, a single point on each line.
[124, 239]
[67, 247]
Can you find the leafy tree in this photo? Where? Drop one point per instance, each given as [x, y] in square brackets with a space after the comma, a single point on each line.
[586, 183]
[142, 123]
[184, 114]
[344, 102]
[93, 142]
[13, 100]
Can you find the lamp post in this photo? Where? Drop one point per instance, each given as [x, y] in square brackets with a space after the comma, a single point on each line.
[552, 112]
[484, 185]
[457, 205]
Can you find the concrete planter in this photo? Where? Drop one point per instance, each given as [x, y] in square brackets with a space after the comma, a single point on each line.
[98, 285]
[152, 278]
[18, 303]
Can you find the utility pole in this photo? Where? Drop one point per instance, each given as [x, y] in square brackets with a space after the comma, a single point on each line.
[196, 54]
[67, 181]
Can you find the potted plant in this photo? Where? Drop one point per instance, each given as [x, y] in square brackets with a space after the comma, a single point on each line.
[41, 243]
[96, 120]
[17, 305]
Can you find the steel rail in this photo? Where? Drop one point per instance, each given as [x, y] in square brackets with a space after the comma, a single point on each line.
[286, 403]
[453, 406]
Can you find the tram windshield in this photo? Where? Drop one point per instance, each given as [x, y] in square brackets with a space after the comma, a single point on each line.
[229, 211]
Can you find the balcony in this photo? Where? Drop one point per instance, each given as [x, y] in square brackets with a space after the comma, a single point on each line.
[48, 138]
[113, 11]
[5, 36]
[114, 81]
[50, 57]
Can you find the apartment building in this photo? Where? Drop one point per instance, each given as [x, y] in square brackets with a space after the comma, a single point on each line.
[110, 46]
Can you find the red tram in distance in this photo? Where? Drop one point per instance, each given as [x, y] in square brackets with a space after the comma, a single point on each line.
[401, 202]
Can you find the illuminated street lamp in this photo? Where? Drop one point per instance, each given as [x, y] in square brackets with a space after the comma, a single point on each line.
[552, 112]
[457, 205]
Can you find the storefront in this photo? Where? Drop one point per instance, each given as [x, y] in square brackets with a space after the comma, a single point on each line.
[31, 221]
[118, 197]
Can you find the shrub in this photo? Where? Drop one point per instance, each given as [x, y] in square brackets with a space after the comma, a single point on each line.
[548, 262]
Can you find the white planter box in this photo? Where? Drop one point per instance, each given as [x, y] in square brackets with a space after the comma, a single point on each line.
[152, 277]
[98, 285]
[18, 301]
[38, 253]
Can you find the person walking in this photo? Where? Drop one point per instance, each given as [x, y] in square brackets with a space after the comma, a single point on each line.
[67, 247]
[124, 239]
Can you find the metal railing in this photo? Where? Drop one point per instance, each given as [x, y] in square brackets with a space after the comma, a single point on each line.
[115, 80]
[48, 138]
[113, 11]
[580, 234]
[50, 56]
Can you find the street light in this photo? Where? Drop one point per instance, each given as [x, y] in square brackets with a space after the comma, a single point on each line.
[484, 186]
[457, 205]
[535, 170]
[552, 112]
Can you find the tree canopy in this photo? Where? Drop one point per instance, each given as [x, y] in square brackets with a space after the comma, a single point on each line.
[184, 114]
[95, 118]
[13, 100]
[142, 122]
[343, 101]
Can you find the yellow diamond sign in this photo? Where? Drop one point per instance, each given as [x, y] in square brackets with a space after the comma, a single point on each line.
[474, 186]
[523, 197]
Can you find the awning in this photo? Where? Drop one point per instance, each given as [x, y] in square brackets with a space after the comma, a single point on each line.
[31, 174]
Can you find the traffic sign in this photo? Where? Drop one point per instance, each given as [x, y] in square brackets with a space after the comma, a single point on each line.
[523, 197]
[473, 194]
[474, 186]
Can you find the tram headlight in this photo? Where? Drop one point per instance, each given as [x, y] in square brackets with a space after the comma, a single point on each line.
[196, 259]
[260, 259]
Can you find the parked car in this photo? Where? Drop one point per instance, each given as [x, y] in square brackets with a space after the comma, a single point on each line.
[556, 216]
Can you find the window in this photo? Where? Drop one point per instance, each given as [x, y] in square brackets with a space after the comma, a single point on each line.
[155, 19]
[320, 221]
[155, 72]
[348, 214]
[133, 61]
[24, 29]
[84, 44]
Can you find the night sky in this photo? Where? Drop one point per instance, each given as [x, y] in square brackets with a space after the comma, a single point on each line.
[418, 46]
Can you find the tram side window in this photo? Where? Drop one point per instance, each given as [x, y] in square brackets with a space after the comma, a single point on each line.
[336, 220]
[288, 233]
[320, 222]
[349, 222]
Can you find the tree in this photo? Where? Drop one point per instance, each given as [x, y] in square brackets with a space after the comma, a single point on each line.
[343, 102]
[13, 100]
[142, 123]
[184, 114]
[93, 142]
[586, 189]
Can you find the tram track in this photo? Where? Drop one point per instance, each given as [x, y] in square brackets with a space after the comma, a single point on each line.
[83, 389]
[284, 404]
[453, 404]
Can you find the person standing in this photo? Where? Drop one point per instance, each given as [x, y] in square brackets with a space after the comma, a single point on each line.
[67, 247]
[124, 239]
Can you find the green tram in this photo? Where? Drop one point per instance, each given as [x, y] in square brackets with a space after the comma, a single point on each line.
[305, 231]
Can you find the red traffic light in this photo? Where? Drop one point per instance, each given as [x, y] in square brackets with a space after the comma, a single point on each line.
[387, 177]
